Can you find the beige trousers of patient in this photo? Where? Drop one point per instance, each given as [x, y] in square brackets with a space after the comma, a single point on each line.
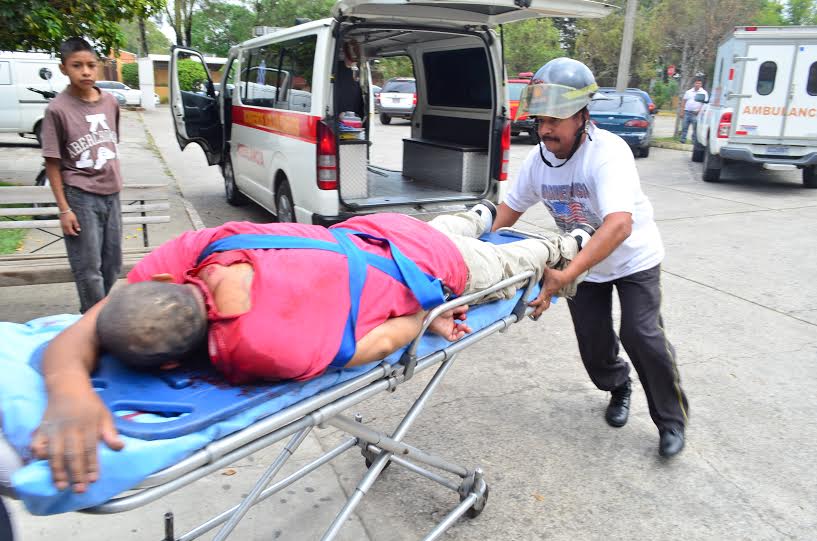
[490, 263]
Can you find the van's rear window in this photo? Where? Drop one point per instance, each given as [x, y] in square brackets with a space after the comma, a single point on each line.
[459, 78]
[404, 87]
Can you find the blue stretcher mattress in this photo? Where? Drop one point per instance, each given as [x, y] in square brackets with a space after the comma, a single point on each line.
[204, 409]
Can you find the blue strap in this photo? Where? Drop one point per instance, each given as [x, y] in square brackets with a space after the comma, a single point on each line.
[427, 289]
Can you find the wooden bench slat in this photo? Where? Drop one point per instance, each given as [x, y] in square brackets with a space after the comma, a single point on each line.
[50, 211]
[26, 275]
[46, 224]
[43, 194]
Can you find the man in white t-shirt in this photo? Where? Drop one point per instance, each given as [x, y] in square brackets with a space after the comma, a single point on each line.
[586, 175]
[691, 108]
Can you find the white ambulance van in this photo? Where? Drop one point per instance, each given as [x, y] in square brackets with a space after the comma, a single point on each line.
[763, 105]
[21, 109]
[278, 123]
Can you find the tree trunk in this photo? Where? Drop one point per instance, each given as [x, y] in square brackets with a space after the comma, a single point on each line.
[682, 82]
[143, 38]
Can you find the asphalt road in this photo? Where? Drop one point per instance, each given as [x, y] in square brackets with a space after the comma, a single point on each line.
[739, 300]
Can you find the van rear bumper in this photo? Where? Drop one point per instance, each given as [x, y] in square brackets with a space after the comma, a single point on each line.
[745, 155]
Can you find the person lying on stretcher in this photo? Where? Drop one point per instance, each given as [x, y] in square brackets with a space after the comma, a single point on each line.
[343, 296]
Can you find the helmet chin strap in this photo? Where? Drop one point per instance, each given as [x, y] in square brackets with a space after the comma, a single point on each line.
[576, 142]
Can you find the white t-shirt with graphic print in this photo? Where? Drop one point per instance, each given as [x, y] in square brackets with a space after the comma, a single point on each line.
[601, 178]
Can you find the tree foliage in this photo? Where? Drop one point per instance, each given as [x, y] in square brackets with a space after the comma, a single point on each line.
[179, 14]
[284, 12]
[396, 66]
[157, 41]
[44, 25]
[529, 44]
[192, 75]
[219, 26]
[130, 75]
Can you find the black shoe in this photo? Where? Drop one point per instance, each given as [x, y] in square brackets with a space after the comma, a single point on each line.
[619, 408]
[672, 441]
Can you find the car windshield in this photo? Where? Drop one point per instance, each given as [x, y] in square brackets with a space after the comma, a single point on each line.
[406, 87]
[515, 90]
[618, 104]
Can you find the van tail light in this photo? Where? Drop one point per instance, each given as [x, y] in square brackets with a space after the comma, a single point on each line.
[635, 123]
[505, 146]
[414, 99]
[327, 158]
[724, 125]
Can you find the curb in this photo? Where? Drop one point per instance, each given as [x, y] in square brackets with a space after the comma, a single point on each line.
[192, 214]
[672, 145]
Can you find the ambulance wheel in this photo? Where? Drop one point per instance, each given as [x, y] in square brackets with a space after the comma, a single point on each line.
[283, 204]
[810, 176]
[476, 509]
[385, 119]
[533, 138]
[234, 196]
[712, 167]
[697, 152]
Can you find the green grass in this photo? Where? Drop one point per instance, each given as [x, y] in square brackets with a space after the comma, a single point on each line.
[10, 239]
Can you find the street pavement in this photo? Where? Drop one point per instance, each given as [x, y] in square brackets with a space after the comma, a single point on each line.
[739, 304]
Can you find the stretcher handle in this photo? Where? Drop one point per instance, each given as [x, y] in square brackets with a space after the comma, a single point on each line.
[409, 357]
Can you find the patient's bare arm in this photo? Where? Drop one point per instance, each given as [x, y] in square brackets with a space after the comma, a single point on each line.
[75, 418]
[397, 332]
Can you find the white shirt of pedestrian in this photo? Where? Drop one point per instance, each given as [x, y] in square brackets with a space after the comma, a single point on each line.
[689, 99]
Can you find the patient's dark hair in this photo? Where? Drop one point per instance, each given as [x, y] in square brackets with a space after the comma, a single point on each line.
[149, 323]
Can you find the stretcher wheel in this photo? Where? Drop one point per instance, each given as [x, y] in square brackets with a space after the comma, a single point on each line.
[369, 464]
[476, 509]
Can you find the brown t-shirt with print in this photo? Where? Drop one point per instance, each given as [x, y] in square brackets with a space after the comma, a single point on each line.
[84, 136]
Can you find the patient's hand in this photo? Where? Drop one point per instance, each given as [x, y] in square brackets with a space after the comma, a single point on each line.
[451, 324]
[73, 424]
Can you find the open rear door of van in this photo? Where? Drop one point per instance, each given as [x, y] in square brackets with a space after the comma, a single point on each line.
[194, 104]
[473, 12]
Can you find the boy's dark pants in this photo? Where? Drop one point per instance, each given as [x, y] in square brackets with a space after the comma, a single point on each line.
[644, 339]
[96, 253]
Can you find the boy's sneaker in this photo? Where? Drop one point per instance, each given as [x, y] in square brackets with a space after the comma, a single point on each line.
[487, 210]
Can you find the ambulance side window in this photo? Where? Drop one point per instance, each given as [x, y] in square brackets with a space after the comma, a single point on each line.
[295, 70]
[811, 85]
[765, 78]
[259, 78]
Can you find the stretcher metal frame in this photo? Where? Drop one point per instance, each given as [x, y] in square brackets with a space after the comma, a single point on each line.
[379, 449]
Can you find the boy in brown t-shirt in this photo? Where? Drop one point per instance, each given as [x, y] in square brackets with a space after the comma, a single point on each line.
[79, 137]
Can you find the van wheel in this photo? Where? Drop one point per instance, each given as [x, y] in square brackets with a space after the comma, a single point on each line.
[712, 166]
[810, 176]
[284, 205]
[645, 152]
[42, 180]
[697, 152]
[533, 137]
[385, 119]
[234, 196]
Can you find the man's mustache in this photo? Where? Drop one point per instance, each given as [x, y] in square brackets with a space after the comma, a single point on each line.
[549, 138]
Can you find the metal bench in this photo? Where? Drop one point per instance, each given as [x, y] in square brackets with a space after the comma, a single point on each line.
[140, 203]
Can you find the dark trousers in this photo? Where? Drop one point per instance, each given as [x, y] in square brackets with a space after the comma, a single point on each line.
[95, 254]
[642, 335]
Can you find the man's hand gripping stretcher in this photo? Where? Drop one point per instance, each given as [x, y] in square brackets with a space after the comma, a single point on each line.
[161, 318]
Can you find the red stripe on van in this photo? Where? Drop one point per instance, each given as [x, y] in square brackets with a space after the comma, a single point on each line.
[286, 123]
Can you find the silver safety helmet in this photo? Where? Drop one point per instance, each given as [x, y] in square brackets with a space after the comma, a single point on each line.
[558, 89]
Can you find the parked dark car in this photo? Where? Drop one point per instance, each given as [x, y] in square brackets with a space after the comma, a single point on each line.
[627, 116]
[635, 91]
[398, 99]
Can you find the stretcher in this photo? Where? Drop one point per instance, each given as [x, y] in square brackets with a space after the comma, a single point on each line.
[220, 425]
